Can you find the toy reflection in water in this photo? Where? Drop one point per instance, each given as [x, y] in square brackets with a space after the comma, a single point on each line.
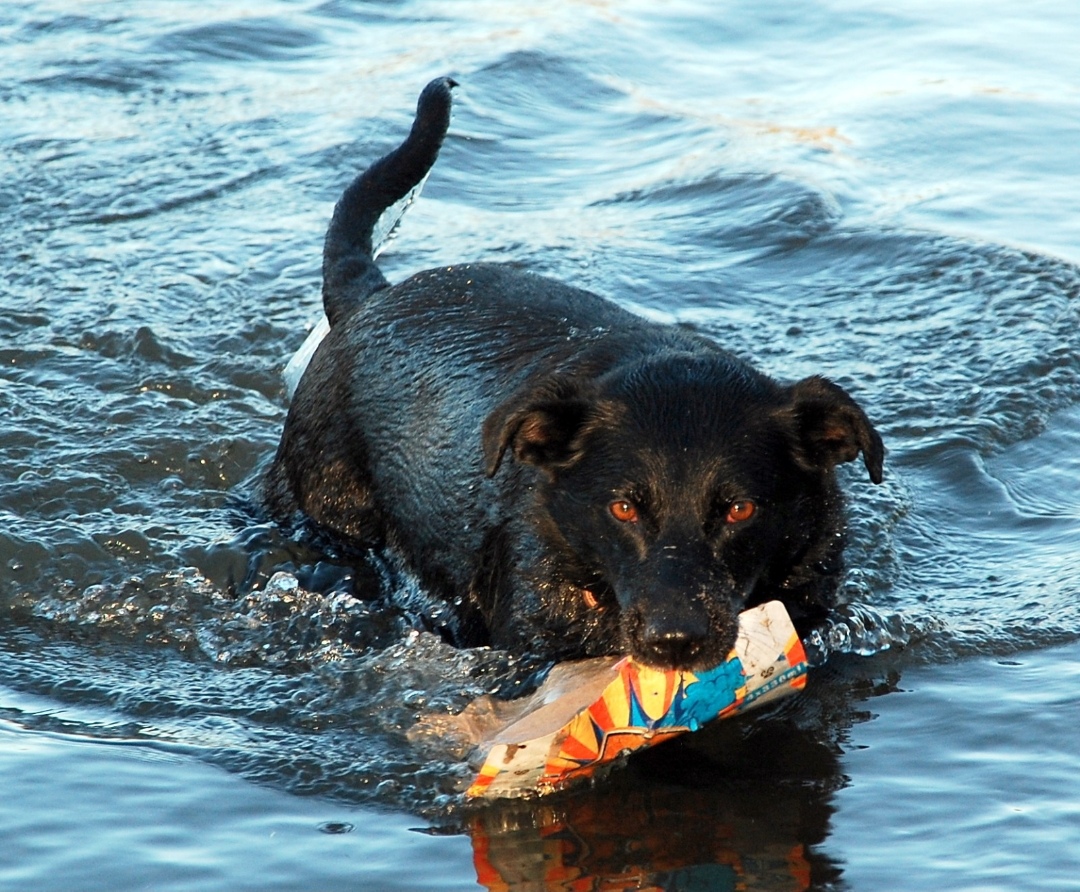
[653, 837]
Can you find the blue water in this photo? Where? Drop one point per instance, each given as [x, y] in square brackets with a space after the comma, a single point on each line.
[887, 195]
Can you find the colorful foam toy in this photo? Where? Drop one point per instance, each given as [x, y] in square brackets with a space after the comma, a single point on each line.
[588, 713]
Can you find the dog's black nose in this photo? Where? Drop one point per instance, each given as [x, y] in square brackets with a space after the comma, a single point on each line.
[672, 645]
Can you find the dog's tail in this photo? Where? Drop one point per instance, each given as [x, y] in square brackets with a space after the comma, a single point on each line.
[349, 270]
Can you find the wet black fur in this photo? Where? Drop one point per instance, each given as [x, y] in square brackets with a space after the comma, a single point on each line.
[480, 421]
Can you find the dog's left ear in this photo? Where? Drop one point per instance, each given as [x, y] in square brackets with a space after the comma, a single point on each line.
[541, 425]
[832, 428]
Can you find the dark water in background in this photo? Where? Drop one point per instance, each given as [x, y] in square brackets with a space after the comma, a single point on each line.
[886, 196]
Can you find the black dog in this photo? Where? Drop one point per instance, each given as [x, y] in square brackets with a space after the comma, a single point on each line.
[573, 479]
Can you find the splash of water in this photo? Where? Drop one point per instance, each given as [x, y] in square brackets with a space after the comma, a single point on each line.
[857, 629]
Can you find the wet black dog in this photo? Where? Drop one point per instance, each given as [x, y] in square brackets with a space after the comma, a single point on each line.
[573, 479]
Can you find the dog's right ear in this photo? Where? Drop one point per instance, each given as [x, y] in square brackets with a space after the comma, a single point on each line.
[541, 424]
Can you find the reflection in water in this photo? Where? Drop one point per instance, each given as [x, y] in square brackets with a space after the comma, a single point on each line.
[654, 837]
[743, 805]
[596, 847]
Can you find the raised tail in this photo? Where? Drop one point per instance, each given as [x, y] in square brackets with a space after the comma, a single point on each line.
[349, 270]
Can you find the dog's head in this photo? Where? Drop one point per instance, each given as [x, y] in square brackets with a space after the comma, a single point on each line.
[690, 486]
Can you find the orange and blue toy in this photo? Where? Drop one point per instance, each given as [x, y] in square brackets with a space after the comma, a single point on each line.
[546, 746]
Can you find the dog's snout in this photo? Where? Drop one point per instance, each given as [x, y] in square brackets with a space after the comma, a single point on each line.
[674, 649]
[673, 642]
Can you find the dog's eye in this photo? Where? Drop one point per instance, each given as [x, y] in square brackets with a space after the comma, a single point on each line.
[739, 511]
[624, 511]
